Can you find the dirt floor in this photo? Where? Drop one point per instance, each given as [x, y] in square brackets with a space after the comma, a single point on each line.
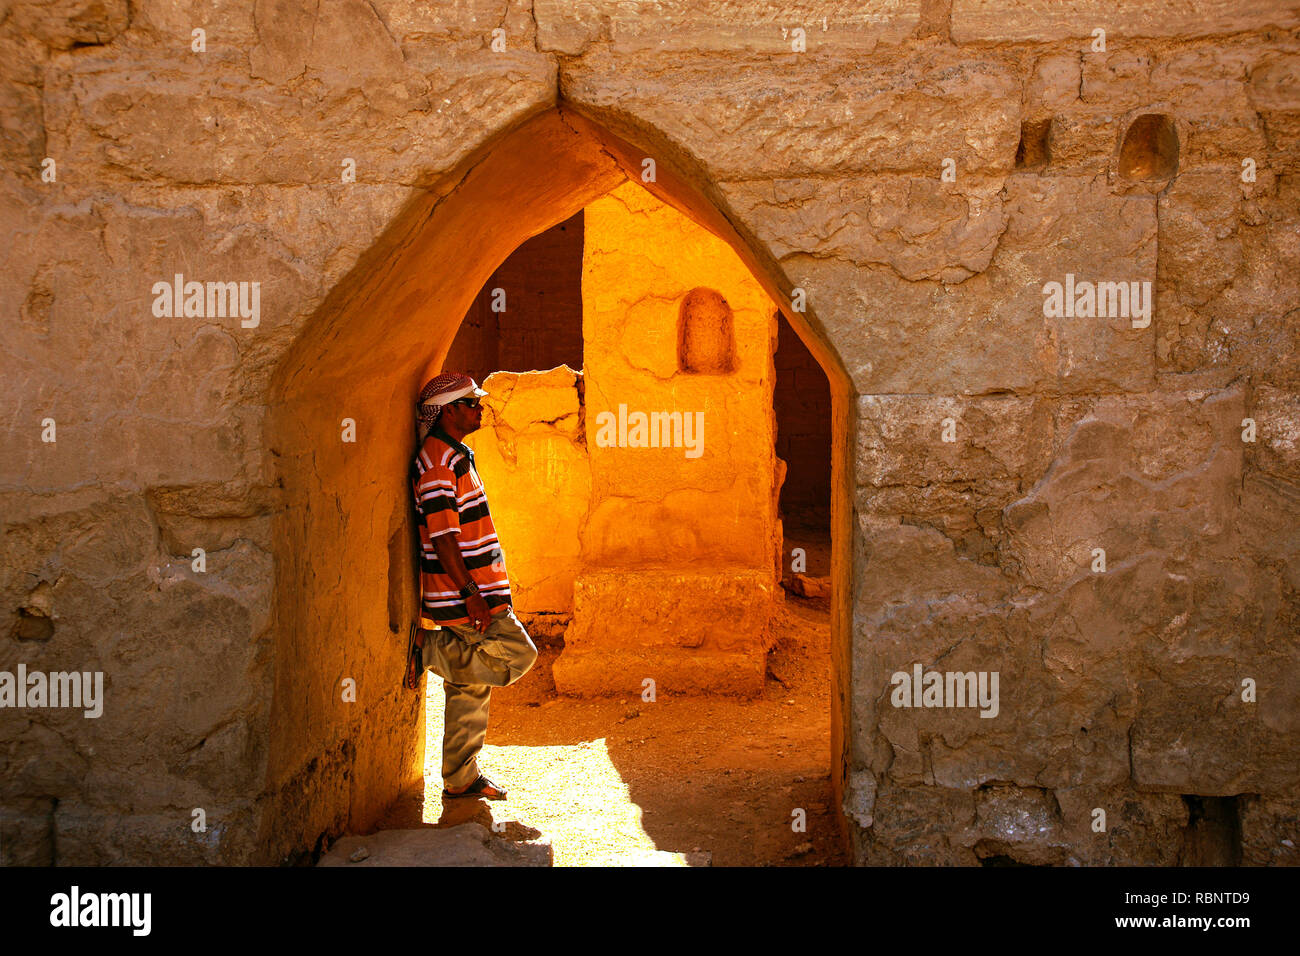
[606, 780]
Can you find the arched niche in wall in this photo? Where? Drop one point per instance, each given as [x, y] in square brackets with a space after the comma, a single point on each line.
[706, 335]
[1150, 149]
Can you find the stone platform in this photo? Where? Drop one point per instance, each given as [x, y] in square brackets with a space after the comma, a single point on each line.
[689, 632]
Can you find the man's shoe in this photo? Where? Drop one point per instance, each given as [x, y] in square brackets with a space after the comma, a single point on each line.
[482, 787]
[414, 658]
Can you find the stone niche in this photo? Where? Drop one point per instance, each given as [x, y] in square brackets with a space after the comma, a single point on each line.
[637, 498]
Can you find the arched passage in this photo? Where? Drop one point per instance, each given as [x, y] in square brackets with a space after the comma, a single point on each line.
[345, 739]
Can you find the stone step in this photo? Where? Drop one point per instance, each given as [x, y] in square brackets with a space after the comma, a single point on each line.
[467, 844]
[586, 672]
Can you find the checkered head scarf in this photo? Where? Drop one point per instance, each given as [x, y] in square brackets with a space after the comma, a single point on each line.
[440, 392]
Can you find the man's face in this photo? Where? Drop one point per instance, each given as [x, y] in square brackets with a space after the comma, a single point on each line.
[465, 418]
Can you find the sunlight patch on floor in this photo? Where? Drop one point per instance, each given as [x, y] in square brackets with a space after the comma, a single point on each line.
[572, 793]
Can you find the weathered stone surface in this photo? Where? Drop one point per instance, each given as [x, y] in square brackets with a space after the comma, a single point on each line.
[1043, 20]
[246, 132]
[990, 333]
[1198, 225]
[917, 227]
[1180, 727]
[1277, 423]
[89, 836]
[1270, 832]
[1156, 474]
[29, 833]
[66, 23]
[1139, 828]
[1275, 92]
[1021, 824]
[815, 115]
[468, 844]
[904, 440]
[722, 25]
[1230, 278]
[1167, 590]
[807, 586]
[907, 828]
[463, 27]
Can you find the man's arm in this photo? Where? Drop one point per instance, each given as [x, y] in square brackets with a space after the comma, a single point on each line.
[449, 555]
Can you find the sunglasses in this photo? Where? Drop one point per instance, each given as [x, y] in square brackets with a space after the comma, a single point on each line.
[467, 402]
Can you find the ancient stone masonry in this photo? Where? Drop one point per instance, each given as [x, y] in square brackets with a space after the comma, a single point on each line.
[204, 495]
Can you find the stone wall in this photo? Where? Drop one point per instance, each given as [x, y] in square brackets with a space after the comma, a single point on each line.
[542, 327]
[132, 152]
[536, 320]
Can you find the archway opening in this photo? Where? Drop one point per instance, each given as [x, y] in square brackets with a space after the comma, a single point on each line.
[340, 434]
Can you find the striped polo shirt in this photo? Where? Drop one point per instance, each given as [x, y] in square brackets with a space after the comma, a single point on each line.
[449, 498]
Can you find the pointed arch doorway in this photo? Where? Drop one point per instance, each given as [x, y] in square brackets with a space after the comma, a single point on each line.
[344, 579]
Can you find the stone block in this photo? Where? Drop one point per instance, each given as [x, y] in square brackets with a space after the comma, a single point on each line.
[88, 836]
[1200, 248]
[675, 670]
[530, 454]
[906, 562]
[1046, 21]
[766, 117]
[918, 226]
[135, 119]
[1194, 733]
[67, 23]
[992, 332]
[1270, 831]
[1277, 433]
[1266, 533]
[919, 826]
[715, 26]
[1141, 829]
[463, 28]
[569, 27]
[1137, 474]
[1275, 92]
[1053, 84]
[1022, 824]
[689, 632]
[902, 439]
[968, 513]
[28, 827]
[1234, 311]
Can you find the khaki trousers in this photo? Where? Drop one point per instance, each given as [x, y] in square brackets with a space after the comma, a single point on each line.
[471, 664]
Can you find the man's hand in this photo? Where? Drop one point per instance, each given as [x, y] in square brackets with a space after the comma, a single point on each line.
[450, 556]
[479, 614]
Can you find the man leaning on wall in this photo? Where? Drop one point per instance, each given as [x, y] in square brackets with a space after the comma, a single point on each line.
[478, 642]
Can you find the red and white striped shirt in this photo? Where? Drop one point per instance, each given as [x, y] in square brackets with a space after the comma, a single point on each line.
[450, 499]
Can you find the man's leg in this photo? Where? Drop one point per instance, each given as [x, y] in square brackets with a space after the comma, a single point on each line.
[464, 729]
[471, 664]
[497, 657]
[508, 645]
